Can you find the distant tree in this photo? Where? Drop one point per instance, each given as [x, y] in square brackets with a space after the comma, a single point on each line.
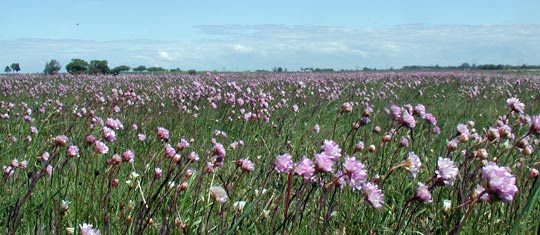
[77, 66]
[52, 67]
[156, 69]
[465, 66]
[119, 69]
[99, 67]
[15, 67]
[7, 69]
[192, 72]
[279, 69]
[139, 68]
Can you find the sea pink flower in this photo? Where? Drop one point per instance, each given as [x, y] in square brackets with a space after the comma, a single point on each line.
[413, 164]
[218, 194]
[535, 125]
[8, 171]
[463, 130]
[72, 151]
[446, 171]
[331, 149]
[219, 150]
[61, 140]
[245, 165]
[101, 148]
[305, 168]
[90, 139]
[193, 156]
[373, 195]
[422, 193]
[408, 120]
[87, 229]
[420, 110]
[430, 119]
[162, 133]
[182, 144]
[108, 134]
[141, 137]
[501, 185]
[515, 105]
[128, 156]
[158, 173]
[49, 169]
[283, 163]
[354, 172]
[116, 159]
[324, 163]
[169, 151]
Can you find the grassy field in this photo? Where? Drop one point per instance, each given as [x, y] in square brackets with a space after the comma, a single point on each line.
[261, 153]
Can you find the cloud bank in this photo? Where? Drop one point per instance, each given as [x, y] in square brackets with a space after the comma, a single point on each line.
[249, 47]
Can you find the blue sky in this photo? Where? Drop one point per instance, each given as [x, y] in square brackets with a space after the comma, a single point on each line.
[248, 35]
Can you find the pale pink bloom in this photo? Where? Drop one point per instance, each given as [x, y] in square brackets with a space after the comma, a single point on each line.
[245, 165]
[141, 137]
[305, 168]
[193, 156]
[324, 163]
[373, 195]
[90, 139]
[8, 171]
[116, 159]
[61, 140]
[158, 173]
[108, 134]
[446, 171]
[169, 151]
[422, 193]
[128, 156]
[72, 151]
[49, 169]
[101, 148]
[218, 194]
[87, 229]
[162, 133]
[515, 105]
[283, 163]
[331, 149]
[45, 156]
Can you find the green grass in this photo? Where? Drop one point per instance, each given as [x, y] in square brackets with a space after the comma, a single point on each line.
[317, 206]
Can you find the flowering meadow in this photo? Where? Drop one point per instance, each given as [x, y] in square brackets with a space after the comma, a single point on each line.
[267, 153]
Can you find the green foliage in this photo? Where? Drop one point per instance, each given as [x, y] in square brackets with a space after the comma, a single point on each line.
[99, 67]
[15, 67]
[120, 69]
[77, 66]
[52, 67]
[140, 68]
[7, 69]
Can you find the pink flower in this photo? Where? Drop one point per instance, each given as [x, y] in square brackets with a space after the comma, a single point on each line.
[183, 144]
[162, 133]
[87, 229]
[49, 169]
[90, 139]
[218, 194]
[219, 150]
[108, 134]
[535, 125]
[501, 184]
[324, 163]
[515, 105]
[141, 137]
[169, 151]
[373, 195]
[158, 173]
[408, 120]
[283, 163]
[8, 171]
[61, 140]
[305, 168]
[422, 193]
[413, 164]
[101, 148]
[446, 171]
[128, 156]
[245, 165]
[331, 149]
[420, 110]
[193, 156]
[72, 151]
[116, 159]
[354, 172]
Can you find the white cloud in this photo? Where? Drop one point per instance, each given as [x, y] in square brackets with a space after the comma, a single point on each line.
[266, 46]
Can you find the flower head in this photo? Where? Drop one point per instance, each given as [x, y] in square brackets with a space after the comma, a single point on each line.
[88, 229]
[218, 194]
[413, 164]
[283, 163]
[162, 133]
[422, 193]
[245, 165]
[535, 125]
[446, 171]
[324, 162]
[515, 105]
[305, 168]
[354, 172]
[373, 195]
[331, 149]
[499, 183]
